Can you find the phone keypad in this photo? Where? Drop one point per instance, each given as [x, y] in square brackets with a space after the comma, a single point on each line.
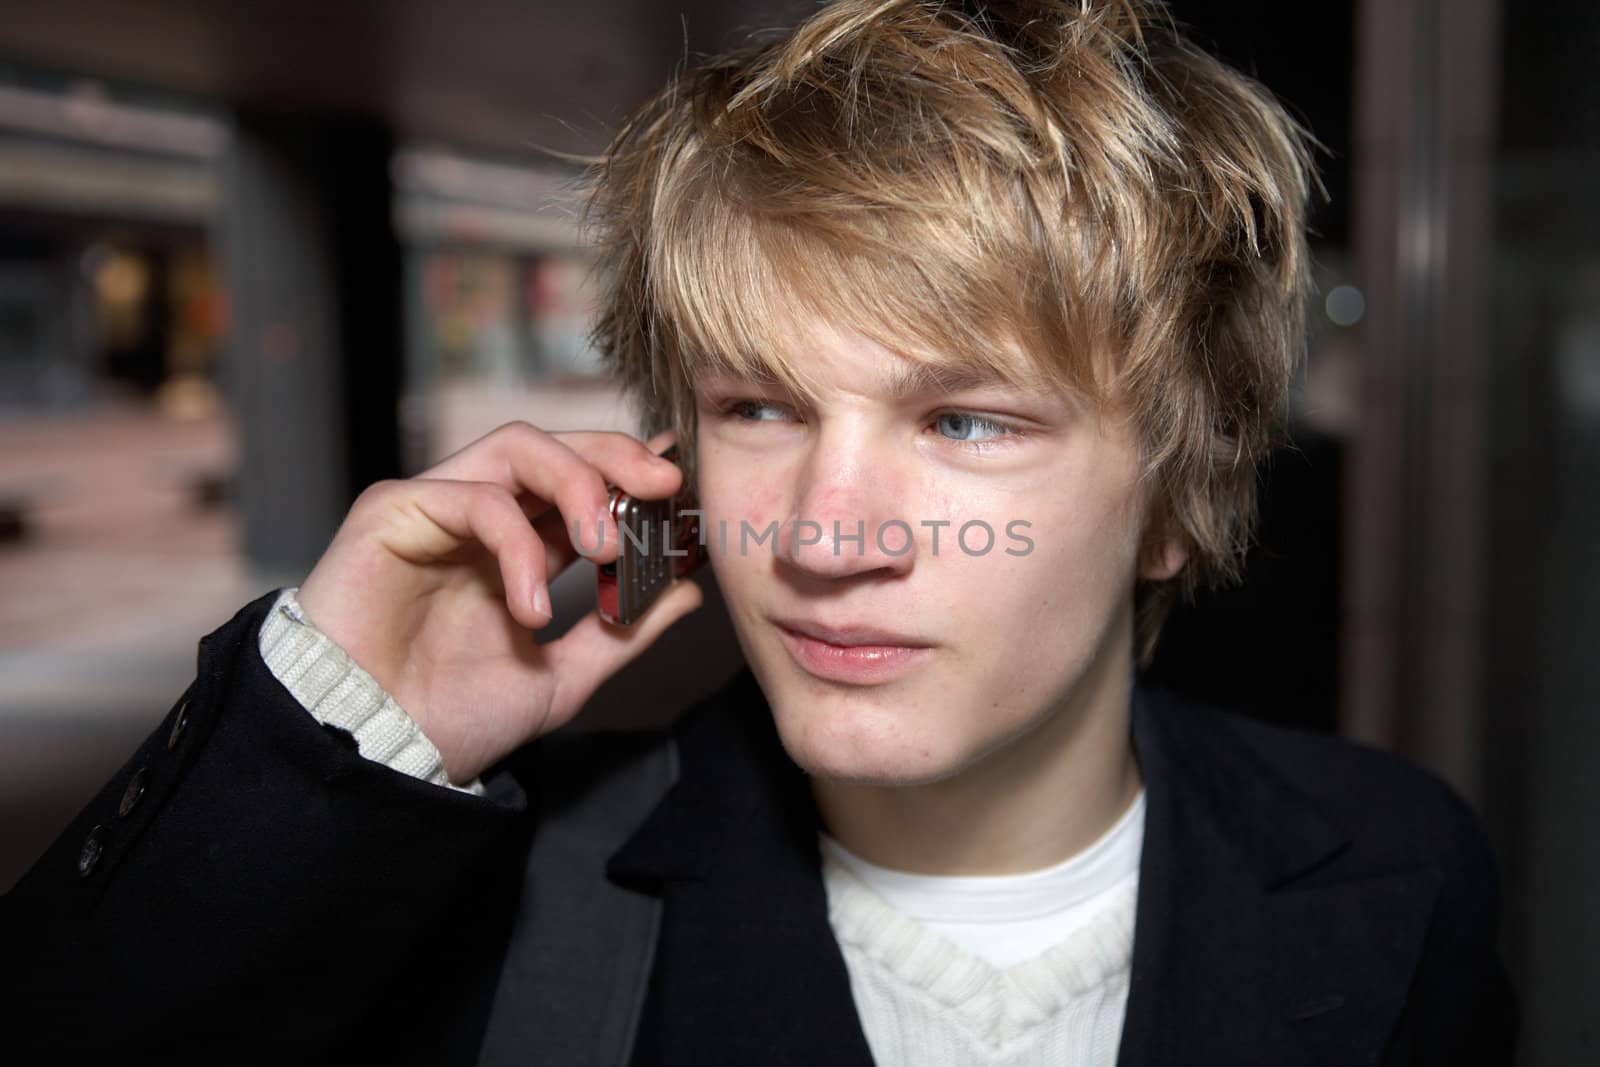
[645, 567]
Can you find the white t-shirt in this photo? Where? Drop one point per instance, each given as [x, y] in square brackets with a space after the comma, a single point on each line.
[1012, 917]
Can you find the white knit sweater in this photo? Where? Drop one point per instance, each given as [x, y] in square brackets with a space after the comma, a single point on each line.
[1015, 969]
[336, 691]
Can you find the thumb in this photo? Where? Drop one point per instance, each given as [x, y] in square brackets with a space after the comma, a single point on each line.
[593, 650]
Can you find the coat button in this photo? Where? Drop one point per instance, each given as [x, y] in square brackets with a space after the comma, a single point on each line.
[178, 727]
[131, 795]
[89, 855]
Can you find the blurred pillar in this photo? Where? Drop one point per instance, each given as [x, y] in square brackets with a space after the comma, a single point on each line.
[314, 362]
[1545, 623]
[1423, 157]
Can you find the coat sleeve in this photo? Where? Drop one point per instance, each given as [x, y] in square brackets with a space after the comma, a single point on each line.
[1461, 1010]
[244, 889]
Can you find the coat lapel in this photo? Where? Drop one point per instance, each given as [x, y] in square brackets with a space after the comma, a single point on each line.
[748, 968]
[1249, 944]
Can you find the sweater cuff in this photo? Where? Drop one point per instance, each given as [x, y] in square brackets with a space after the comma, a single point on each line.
[336, 691]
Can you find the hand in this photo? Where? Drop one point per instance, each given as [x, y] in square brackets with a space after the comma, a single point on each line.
[433, 585]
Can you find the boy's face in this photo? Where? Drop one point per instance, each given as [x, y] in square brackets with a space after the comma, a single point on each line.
[891, 659]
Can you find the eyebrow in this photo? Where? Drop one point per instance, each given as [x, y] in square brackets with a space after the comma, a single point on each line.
[905, 381]
[908, 380]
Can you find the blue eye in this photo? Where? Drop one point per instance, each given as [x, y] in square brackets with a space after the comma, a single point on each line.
[958, 426]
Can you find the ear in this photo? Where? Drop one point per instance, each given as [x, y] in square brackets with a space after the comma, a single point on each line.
[1163, 551]
[1163, 560]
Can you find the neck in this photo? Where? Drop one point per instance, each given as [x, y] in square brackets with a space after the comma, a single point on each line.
[1039, 799]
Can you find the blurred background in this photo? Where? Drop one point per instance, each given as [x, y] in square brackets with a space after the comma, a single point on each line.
[255, 257]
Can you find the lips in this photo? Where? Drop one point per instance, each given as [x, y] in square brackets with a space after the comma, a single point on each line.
[853, 654]
[853, 636]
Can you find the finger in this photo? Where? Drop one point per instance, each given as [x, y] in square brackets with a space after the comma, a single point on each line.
[594, 650]
[569, 470]
[454, 513]
[658, 444]
[601, 542]
[558, 536]
[630, 465]
[524, 459]
[502, 457]
[626, 462]
[565, 543]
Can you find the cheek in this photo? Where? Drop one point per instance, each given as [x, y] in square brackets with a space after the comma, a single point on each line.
[732, 494]
[732, 489]
[1048, 607]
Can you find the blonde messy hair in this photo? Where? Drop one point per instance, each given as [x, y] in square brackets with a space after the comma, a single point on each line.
[1071, 181]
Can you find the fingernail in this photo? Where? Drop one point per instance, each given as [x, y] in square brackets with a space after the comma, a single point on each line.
[541, 602]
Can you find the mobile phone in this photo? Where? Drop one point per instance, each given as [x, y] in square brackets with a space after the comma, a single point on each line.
[659, 542]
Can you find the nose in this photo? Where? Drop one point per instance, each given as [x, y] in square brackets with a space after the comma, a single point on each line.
[847, 517]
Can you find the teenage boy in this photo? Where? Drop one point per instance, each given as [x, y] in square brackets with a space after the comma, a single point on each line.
[979, 317]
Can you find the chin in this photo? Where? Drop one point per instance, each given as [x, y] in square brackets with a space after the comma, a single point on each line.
[848, 738]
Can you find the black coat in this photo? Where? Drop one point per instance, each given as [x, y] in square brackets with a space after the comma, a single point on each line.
[655, 898]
